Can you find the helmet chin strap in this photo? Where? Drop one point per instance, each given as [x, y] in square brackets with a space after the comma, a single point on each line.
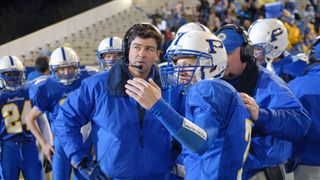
[270, 67]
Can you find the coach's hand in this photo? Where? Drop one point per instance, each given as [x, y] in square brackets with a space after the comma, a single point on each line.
[91, 170]
[251, 105]
[145, 93]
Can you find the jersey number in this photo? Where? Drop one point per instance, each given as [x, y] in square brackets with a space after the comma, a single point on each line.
[13, 118]
[247, 138]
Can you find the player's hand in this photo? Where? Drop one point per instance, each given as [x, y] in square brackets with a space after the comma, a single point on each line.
[251, 105]
[91, 170]
[48, 151]
[145, 93]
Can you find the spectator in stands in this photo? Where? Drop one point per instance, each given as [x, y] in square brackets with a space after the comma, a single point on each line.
[41, 68]
[317, 22]
[205, 9]
[155, 16]
[165, 10]
[214, 22]
[308, 13]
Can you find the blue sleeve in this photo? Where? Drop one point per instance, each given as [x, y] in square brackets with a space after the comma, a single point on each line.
[38, 97]
[207, 105]
[199, 132]
[73, 114]
[295, 68]
[281, 114]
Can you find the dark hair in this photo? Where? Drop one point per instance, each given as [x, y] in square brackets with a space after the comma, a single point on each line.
[144, 31]
[42, 63]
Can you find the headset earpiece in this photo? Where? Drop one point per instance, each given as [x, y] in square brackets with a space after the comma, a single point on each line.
[246, 49]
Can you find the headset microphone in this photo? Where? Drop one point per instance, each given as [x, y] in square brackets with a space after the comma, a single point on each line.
[135, 66]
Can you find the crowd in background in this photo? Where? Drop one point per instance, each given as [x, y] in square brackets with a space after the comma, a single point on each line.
[302, 28]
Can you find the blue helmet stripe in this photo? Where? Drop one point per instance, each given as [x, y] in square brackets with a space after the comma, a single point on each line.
[11, 60]
[111, 42]
[178, 39]
[201, 26]
[63, 54]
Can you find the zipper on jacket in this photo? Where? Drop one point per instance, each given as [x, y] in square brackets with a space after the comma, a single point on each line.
[141, 116]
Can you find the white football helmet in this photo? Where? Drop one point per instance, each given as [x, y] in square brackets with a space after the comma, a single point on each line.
[269, 35]
[64, 57]
[12, 73]
[192, 26]
[110, 45]
[207, 48]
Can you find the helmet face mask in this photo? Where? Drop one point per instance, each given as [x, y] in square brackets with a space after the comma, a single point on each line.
[193, 57]
[181, 71]
[107, 60]
[65, 58]
[66, 74]
[12, 73]
[109, 52]
[260, 52]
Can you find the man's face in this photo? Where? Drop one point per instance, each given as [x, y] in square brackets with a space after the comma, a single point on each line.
[13, 78]
[144, 53]
[259, 54]
[110, 59]
[234, 65]
[186, 72]
[66, 71]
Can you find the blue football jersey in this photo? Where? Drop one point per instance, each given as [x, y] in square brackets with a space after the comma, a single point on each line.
[288, 69]
[48, 94]
[14, 107]
[218, 101]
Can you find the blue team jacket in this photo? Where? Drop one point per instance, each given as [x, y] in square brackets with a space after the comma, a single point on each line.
[306, 89]
[123, 147]
[282, 119]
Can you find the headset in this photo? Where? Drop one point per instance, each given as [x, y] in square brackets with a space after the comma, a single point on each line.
[246, 49]
[132, 32]
[312, 57]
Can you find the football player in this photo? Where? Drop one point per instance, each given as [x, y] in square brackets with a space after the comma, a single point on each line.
[48, 94]
[270, 39]
[109, 52]
[18, 146]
